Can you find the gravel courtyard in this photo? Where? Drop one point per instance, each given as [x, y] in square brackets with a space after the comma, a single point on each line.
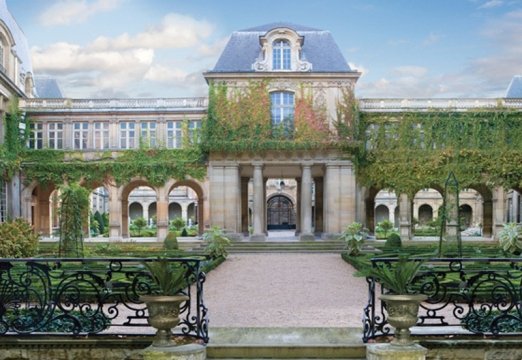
[285, 290]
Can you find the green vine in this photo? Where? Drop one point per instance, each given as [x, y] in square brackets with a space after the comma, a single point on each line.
[410, 151]
[240, 121]
[155, 165]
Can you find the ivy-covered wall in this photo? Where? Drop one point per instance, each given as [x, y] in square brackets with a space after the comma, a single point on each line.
[410, 151]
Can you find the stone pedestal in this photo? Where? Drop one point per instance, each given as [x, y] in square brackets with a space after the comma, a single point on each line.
[394, 352]
[183, 352]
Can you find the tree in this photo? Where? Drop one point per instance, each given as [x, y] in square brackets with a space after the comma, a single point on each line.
[140, 223]
[73, 214]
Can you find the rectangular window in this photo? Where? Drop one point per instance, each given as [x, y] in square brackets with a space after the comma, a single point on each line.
[174, 134]
[3, 201]
[127, 135]
[286, 59]
[148, 134]
[55, 132]
[35, 136]
[101, 135]
[276, 59]
[194, 128]
[80, 135]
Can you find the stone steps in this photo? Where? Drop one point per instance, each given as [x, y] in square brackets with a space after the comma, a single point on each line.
[286, 246]
[286, 343]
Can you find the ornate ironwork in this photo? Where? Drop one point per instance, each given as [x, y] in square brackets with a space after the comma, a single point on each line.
[472, 296]
[90, 296]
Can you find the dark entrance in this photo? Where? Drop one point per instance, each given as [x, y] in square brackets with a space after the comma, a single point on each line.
[281, 213]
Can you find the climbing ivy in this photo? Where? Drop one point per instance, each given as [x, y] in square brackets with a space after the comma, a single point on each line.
[240, 120]
[155, 165]
[409, 151]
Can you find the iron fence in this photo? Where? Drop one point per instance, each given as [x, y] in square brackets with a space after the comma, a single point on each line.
[91, 296]
[466, 297]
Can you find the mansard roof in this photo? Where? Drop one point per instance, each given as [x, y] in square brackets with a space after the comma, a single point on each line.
[47, 87]
[21, 47]
[515, 87]
[319, 48]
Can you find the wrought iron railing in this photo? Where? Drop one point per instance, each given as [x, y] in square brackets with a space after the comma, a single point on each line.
[466, 296]
[91, 296]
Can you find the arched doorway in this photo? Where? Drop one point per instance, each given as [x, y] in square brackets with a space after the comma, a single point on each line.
[466, 216]
[280, 213]
[425, 214]
[382, 213]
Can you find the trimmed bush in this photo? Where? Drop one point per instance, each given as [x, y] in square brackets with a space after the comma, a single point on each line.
[17, 239]
[393, 241]
[171, 242]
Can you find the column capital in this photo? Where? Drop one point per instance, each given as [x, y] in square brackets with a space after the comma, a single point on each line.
[257, 164]
[307, 164]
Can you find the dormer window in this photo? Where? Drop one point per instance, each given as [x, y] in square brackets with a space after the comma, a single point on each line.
[281, 55]
[281, 50]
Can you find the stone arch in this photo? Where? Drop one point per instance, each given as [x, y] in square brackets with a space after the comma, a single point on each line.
[425, 214]
[135, 210]
[281, 212]
[174, 210]
[123, 196]
[383, 200]
[466, 216]
[37, 208]
[197, 187]
[382, 212]
[486, 200]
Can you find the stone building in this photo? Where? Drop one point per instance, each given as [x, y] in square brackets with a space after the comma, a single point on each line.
[314, 190]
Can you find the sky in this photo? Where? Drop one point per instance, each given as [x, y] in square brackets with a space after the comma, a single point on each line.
[160, 48]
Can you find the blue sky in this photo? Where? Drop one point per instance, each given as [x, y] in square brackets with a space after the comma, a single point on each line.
[159, 48]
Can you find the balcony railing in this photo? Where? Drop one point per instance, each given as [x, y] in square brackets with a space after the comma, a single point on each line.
[455, 104]
[187, 104]
[475, 296]
[90, 296]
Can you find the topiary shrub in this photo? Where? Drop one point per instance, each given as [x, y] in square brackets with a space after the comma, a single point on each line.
[170, 242]
[393, 241]
[17, 239]
[184, 232]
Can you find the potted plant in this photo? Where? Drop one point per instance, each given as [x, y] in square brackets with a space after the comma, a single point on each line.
[401, 301]
[354, 236]
[163, 305]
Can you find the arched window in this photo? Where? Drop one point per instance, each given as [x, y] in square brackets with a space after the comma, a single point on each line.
[281, 55]
[282, 109]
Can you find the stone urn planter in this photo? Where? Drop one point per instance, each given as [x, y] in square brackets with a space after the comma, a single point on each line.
[163, 316]
[163, 304]
[403, 313]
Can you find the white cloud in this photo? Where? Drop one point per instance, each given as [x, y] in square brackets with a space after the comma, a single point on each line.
[175, 31]
[133, 65]
[497, 69]
[359, 68]
[491, 4]
[163, 74]
[65, 12]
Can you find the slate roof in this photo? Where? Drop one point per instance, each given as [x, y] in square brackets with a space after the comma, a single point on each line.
[21, 47]
[319, 48]
[47, 87]
[515, 87]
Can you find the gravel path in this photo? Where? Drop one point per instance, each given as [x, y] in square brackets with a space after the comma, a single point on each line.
[285, 290]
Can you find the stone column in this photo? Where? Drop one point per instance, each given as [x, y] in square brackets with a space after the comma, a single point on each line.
[319, 185]
[225, 201]
[258, 204]
[298, 207]
[162, 213]
[405, 217]
[340, 194]
[244, 205]
[499, 210]
[306, 203]
[13, 190]
[115, 213]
